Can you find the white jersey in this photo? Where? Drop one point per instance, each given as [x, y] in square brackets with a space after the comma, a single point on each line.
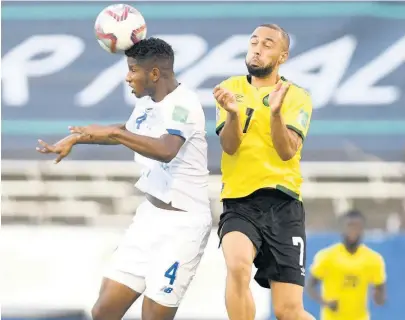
[183, 182]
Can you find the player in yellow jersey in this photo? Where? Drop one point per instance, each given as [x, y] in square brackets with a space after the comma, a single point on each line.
[346, 271]
[262, 121]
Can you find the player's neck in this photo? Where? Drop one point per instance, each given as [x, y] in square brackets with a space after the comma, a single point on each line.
[351, 247]
[164, 89]
[268, 81]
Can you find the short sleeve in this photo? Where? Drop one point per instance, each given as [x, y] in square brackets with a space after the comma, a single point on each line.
[297, 113]
[319, 266]
[179, 121]
[378, 274]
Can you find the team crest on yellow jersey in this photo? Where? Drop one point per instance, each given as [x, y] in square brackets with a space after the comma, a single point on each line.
[266, 100]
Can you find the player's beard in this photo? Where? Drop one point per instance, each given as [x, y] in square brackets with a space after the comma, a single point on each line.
[259, 72]
[352, 244]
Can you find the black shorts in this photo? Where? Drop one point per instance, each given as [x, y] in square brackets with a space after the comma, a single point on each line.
[275, 223]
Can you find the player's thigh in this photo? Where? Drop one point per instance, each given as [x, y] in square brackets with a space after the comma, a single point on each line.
[239, 252]
[151, 310]
[286, 240]
[133, 252]
[114, 300]
[287, 298]
[124, 277]
[239, 236]
[176, 257]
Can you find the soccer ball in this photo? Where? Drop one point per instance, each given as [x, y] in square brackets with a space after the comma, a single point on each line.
[118, 27]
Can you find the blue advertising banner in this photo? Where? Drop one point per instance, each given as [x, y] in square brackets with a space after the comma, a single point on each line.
[350, 56]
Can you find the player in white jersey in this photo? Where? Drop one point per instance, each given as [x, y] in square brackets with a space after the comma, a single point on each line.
[161, 250]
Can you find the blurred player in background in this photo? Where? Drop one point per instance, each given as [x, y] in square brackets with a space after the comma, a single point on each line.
[262, 121]
[162, 249]
[346, 270]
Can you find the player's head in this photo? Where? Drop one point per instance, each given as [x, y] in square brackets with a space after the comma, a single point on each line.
[268, 48]
[353, 227]
[150, 62]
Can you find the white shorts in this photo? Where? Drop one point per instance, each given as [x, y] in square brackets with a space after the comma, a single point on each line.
[160, 252]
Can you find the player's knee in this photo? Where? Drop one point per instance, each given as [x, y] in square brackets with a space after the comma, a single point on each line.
[100, 313]
[289, 311]
[239, 253]
[96, 313]
[239, 268]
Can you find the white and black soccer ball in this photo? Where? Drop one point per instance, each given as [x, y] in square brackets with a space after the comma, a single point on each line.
[118, 27]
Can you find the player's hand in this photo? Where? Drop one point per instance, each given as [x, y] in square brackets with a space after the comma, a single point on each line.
[62, 148]
[332, 305]
[93, 131]
[276, 97]
[226, 99]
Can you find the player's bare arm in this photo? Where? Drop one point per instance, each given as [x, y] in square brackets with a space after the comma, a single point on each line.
[63, 147]
[163, 149]
[231, 134]
[87, 139]
[380, 294]
[380, 288]
[313, 292]
[285, 141]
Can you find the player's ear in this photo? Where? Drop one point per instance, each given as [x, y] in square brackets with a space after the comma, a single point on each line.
[283, 57]
[154, 74]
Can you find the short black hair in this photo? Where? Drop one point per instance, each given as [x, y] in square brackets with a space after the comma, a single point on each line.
[152, 49]
[354, 213]
[285, 35]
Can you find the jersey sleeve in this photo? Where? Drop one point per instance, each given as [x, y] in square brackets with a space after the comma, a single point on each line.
[378, 274]
[297, 113]
[319, 266]
[179, 121]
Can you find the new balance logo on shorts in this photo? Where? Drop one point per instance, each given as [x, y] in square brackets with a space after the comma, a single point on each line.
[166, 289]
[303, 271]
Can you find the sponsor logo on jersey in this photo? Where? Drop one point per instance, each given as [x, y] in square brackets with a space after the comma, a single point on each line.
[239, 98]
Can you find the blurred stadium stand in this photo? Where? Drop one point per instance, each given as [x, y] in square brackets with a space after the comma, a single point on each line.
[101, 192]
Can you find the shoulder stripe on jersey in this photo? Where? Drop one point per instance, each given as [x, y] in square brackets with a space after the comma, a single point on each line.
[175, 132]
